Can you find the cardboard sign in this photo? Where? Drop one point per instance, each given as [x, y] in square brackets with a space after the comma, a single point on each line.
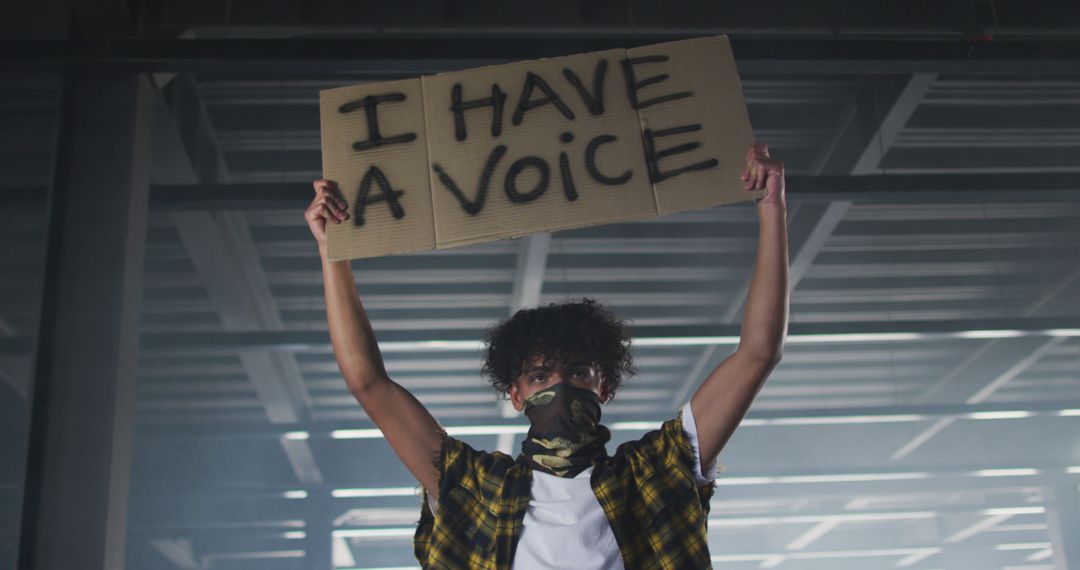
[508, 150]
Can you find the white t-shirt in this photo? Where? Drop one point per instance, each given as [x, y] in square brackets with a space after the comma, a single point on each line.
[565, 526]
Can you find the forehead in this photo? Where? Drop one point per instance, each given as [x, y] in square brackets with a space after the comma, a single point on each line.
[541, 361]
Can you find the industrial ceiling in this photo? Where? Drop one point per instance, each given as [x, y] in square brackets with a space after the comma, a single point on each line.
[926, 414]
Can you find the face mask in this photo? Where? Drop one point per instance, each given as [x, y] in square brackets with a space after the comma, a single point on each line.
[566, 434]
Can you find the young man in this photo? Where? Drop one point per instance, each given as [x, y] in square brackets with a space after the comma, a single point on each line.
[563, 502]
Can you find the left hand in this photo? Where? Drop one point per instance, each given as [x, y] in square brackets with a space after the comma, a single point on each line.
[762, 171]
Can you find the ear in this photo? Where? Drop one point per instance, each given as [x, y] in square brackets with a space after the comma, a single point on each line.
[515, 398]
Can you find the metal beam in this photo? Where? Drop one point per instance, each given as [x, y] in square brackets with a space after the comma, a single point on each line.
[988, 369]
[206, 343]
[529, 275]
[879, 108]
[408, 56]
[528, 286]
[1063, 517]
[233, 510]
[894, 188]
[179, 551]
[793, 418]
[225, 256]
[193, 131]
[222, 249]
[810, 227]
[846, 332]
[15, 371]
[996, 363]
[78, 468]
[898, 110]
[813, 223]
[878, 189]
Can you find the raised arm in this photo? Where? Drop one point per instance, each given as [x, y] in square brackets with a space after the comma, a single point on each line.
[410, 430]
[723, 399]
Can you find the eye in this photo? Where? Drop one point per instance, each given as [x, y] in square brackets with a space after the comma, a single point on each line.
[537, 378]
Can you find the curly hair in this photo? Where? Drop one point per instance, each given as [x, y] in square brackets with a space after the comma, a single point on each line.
[571, 331]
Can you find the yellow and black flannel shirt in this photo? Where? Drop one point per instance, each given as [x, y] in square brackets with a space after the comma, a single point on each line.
[647, 489]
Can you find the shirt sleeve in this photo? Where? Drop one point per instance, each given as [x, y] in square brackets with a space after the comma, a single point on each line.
[460, 465]
[664, 463]
[462, 469]
[713, 469]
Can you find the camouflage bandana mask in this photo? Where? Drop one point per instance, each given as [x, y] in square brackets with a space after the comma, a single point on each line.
[566, 434]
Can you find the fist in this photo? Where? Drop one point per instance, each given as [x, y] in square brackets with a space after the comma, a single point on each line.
[328, 206]
[764, 172]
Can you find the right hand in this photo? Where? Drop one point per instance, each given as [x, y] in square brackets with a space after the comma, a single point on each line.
[328, 206]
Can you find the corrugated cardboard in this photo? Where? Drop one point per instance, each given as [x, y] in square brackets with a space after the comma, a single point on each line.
[705, 68]
[403, 165]
[551, 124]
[538, 135]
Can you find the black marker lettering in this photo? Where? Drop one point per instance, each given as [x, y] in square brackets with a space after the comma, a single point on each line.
[564, 169]
[632, 84]
[375, 138]
[652, 156]
[590, 163]
[510, 184]
[593, 101]
[386, 194]
[458, 107]
[532, 81]
[472, 207]
[567, 178]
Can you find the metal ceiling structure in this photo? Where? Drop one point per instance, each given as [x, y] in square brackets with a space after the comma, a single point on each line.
[926, 414]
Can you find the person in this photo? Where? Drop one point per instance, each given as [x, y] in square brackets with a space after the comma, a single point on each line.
[563, 502]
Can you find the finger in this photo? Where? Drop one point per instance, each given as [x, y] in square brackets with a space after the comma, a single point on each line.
[335, 193]
[330, 215]
[339, 214]
[335, 205]
[324, 200]
[759, 176]
[324, 185]
[314, 214]
[774, 168]
[319, 212]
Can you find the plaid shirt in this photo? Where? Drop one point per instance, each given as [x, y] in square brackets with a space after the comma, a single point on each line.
[647, 489]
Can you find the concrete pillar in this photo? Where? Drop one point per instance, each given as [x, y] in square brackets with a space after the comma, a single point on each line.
[74, 510]
[1063, 516]
[319, 530]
